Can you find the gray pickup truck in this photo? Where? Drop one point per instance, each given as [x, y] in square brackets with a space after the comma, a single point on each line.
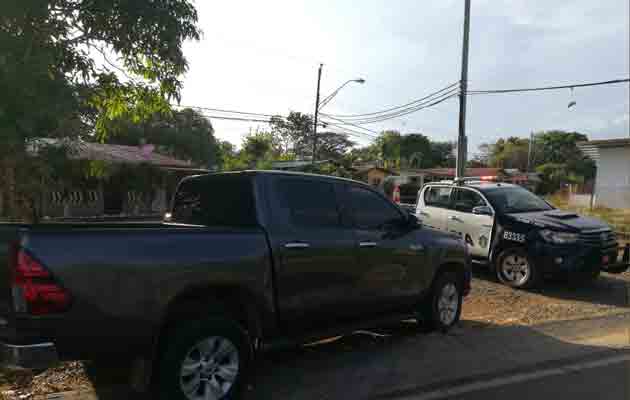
[245, 262]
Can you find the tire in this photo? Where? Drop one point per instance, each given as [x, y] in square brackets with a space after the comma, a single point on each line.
[515, 269]
[443, 308]
[187, 343]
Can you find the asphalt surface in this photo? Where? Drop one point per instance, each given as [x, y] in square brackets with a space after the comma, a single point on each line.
[610, 382]
[585, 359]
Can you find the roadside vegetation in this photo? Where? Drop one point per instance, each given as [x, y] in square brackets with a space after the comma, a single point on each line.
[619, 219]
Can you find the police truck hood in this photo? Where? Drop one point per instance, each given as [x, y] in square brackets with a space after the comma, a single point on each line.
[558, 220]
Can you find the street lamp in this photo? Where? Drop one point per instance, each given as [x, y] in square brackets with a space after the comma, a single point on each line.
[325, 101]
[334, 93]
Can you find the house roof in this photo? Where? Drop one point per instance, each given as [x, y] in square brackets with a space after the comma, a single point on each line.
[295, 164]
[450, 172]
[363, 171]
[591, 148]
[116, 153]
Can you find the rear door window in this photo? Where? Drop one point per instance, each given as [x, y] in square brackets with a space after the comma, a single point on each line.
[219, 200]
[311, 203]
[370, 210]
[437, 196]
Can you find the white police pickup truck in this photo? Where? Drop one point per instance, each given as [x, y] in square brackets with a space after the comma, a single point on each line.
[518, 234]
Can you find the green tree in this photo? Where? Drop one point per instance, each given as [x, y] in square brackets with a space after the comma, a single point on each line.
[559, 160]
[442, 155]
[57, 88]
[390, 144]
[258, 149]
[294, 134]
[332, 146]
[415, 150]
[555, 156]
[510, 153]
[185, 134]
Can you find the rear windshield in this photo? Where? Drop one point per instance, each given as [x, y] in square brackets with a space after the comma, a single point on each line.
[215, 200]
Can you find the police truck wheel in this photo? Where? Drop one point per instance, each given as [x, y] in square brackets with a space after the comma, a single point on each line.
[514, 268]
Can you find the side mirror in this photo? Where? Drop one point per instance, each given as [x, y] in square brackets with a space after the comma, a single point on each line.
[482, 210]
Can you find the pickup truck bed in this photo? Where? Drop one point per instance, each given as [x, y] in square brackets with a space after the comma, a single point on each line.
[122, 277]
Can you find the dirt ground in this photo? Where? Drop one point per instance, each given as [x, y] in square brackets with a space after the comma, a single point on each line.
[489, 304]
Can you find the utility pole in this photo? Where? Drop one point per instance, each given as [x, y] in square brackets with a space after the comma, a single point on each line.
[319, 78]
[529, 152]
[462, 141]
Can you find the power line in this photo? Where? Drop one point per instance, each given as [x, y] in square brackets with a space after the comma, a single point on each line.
[345, 130]
[350, 123]
[236, 118]
[359, 135]
[388, 110]
[614, 81]
[351, 131]
[228, 111]
[409, 110]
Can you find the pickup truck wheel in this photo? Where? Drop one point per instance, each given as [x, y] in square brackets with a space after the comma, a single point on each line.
[442, 309]
[514, 268]
[204, 360]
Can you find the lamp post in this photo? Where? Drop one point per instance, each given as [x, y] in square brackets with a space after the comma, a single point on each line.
[326, 100]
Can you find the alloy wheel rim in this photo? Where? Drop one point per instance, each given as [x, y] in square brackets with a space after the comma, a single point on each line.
[448, 302]
[515, 269]
[209, 369]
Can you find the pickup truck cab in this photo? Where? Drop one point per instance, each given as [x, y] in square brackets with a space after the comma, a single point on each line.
[519, 234]
[246, 261]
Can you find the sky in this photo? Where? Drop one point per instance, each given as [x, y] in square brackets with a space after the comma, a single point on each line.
[262, 56]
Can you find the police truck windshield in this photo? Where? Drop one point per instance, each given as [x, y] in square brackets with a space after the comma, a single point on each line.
[507, 200]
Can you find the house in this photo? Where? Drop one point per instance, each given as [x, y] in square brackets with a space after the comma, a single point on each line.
[138, 181]
[373, 175]
[296, 165]
[612, 180]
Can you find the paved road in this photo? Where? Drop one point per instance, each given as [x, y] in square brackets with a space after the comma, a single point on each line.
[586, 359]
[608, 382]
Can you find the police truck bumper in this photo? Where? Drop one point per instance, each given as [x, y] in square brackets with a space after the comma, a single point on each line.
[578, 259]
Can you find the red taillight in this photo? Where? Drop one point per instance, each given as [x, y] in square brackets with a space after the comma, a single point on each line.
[27, 268]
[396, 196]
[34, 290]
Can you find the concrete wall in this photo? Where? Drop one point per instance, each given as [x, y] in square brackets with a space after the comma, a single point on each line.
[580, 200]
[612, 185]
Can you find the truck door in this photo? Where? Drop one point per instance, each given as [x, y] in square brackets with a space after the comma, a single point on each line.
[432, 206]
[317, 271]
[476, 230]
[390, 254]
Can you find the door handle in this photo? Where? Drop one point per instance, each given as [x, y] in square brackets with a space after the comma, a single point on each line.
[425, 214]
[367, 244]
[454, 218]
[297, 245]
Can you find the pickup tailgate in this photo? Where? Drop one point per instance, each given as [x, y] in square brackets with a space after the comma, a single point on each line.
[9, 237]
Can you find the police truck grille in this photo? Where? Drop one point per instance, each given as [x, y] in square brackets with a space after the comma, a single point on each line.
[599, 238]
